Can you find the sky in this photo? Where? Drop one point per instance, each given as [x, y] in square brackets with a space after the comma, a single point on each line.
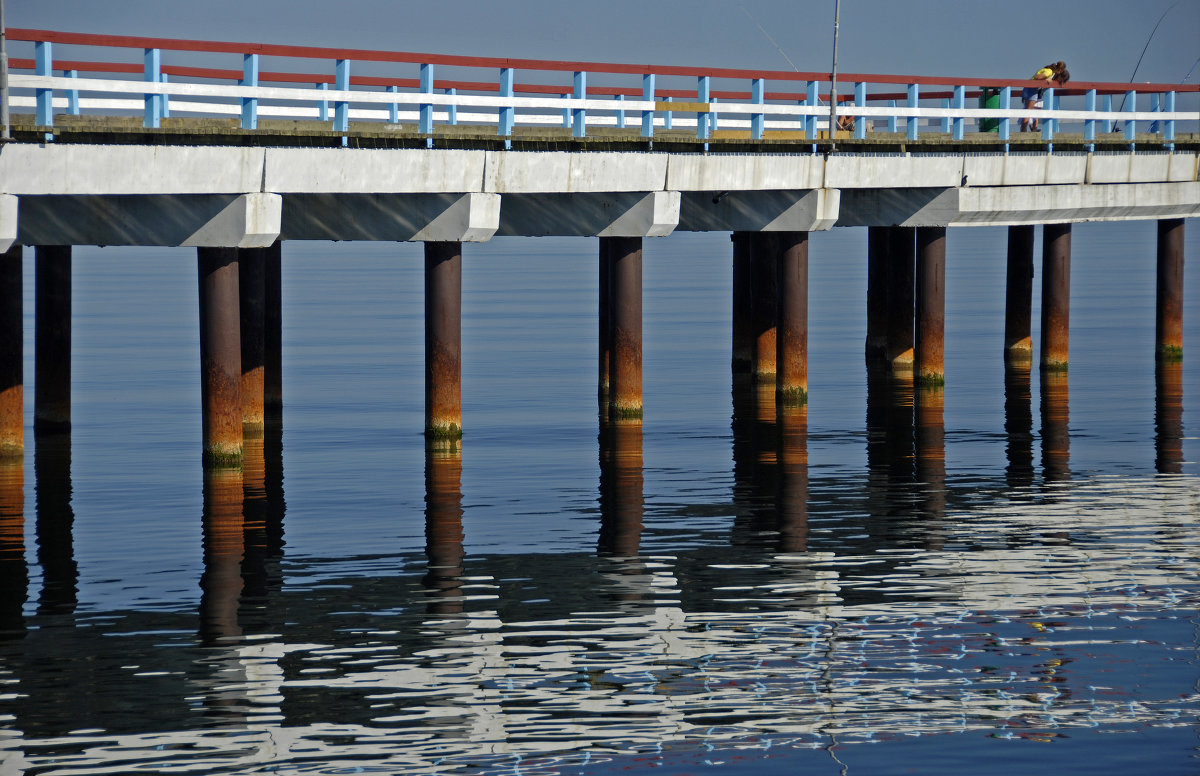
[1100, 40]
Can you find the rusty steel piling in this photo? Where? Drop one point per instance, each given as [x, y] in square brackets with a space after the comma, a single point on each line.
[604, 319]
[443, 344]
[220, 356]
[791, 337]
[900, 303]
[929, 359]
[252, 307]
[12, 355]
[878, 246]
[764, 260]
[743, 314]
[625, 376]
[1018, 297]
[1056, 296]
[273, 333]
[52, 338]
[1168, 328]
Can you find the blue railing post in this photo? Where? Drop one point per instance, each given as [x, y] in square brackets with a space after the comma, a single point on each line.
[702, 95]
[43, 61]
[580, 115]
[1130, 124]
[506, 116]
[452, 110]
[166, 100]
[393, 107]
[648, 96]
[250, 104]
[341, 108]
[1106, 124]
[1089, 125]
[566, 112]
[912, 122]
[153, 69]
[960, 102]
[323, 105]
[426, 114]
[1169, 124]
[1005, 124]
[945, 125]
[757, 120]
[620, 112]
[667, 116]
[892, 125]
[72, 94]
[712, 116]
[860, 99]
[1048, 104]
[810, 121]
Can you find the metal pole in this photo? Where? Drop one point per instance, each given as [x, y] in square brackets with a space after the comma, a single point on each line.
[837, 12]
[4, 132]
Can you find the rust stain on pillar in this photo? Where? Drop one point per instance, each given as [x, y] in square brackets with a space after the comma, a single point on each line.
[764, 259]
[900, 291]
[52, 338]
[878, 247]
[221, 581]
[1018, 297]
[1056, 296]
[743, 314]
[220, 356]
[1056, 417]
[626, 374]
[604, 319]
[443, 532]
[1168, 328]
[273, 332]
[930, 362]
[252, 305]
[12, 355]
[443, 344]
[791, 336]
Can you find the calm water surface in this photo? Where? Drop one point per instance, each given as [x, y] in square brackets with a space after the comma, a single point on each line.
[1001, 577]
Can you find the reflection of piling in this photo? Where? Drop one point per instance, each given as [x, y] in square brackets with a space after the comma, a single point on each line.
[878, 246]
[55, 523]
[1168, 329]
[1168, 416]
[1018, 425]
[900, 290]
[220, 356]
[621, 489]
[792, 462]
[252, 306]
[625, 377]
[443, 532]
[1056, 441]
[764, 276]
[930, 448]
[791, 361]
[929, 357]
[52, 338]
[743, 314]
[443, 344]
[14, 573]
[1056, 295]
[255, 541]
[1018, 297]
[221, 582]
[12, 390]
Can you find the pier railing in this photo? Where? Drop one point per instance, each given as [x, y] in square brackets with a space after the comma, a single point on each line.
[401, 88]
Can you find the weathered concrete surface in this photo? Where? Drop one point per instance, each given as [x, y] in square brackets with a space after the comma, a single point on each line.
[769, 210]
[472, 217]
[1015, 205]
[618, 214]
[8, 221]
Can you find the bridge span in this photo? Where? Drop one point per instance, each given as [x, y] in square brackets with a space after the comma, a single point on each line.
[235, 171]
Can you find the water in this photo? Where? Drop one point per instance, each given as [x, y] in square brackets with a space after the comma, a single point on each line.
[1006, 583]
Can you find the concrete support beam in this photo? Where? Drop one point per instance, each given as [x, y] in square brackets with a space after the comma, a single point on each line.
[791, 336]
[1168, 327]
[52, 338]
[1018, 297]
[878, 247]
[900, 303]
[249, 221]
[12, 355]
[433, 217]
[443, 345]
[1015, 205]
[252, 308]
[618, 214]
[8, 221]
[929, 359]
[625, 380]
[759, 211]
[898, 206]
[1056, 296]
[220, 357]
[764, 277]
[743, 314]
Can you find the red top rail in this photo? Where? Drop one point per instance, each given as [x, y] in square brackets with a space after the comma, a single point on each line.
[405, 57]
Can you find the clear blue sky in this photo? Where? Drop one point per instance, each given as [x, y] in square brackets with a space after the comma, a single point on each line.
[1100, 40]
